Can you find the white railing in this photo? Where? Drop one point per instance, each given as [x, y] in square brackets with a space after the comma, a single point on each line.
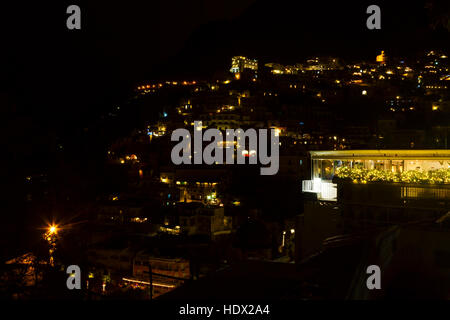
[308, 186]
[328, 191]
[325, 190]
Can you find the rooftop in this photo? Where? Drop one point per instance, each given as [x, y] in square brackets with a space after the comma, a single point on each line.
[432, 154]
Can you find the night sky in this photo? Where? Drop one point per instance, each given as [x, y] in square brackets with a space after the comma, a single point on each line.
[55, 82]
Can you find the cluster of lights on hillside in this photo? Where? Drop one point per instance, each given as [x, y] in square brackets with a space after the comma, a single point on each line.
[160, 85]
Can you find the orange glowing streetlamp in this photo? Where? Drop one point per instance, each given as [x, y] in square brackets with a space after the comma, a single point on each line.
[52, 229]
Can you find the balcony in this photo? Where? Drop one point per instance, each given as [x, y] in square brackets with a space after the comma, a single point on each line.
[401, 195]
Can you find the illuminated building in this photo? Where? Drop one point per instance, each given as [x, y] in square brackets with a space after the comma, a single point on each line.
[168, 273]
[197, 219]
[222, 120]
[322, 64]
[381, 58]
[365, 166]
[240, 63]
[351, 191]
[314, 64]
[195, 185]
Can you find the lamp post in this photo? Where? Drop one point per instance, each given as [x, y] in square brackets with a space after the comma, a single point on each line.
[50, 236]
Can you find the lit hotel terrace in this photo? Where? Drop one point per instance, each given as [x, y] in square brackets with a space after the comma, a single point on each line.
[417, 173]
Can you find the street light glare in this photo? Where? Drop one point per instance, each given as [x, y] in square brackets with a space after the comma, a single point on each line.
[53, 229]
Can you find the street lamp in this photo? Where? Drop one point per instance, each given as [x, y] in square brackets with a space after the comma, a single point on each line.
[51, 237]
[51, 232]
[52, 229]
